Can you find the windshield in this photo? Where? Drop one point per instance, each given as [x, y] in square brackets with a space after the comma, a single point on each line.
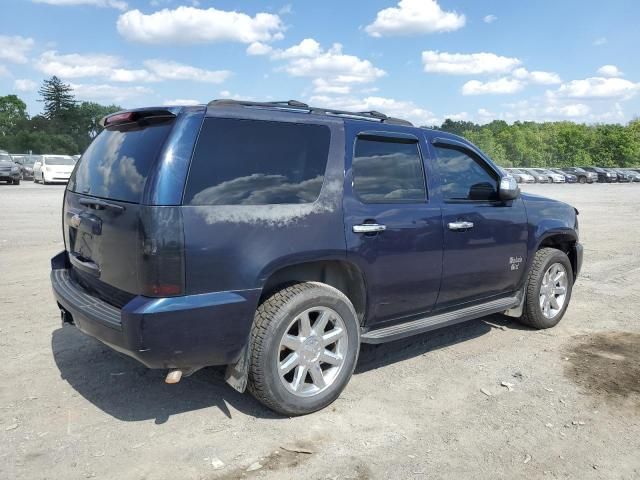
[59, 161]
[5, 157]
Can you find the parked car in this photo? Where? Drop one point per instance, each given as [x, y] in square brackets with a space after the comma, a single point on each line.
[9, 170]
[603, 175]
[521, 176]
[26, 162]
[634, 175]
[622, 176]
[583, 175]
[553, 177]
[54, 169]
[275, 238]
[540, 178]
[568, 177]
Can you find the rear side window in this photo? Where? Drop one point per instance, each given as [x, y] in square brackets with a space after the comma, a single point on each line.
[388, 170]
[253, 162]
[117, 163]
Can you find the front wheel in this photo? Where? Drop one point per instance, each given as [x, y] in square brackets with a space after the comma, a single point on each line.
[548, 289]
[304, 346]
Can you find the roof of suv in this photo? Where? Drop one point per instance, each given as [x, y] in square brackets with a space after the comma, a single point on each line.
[300, 107]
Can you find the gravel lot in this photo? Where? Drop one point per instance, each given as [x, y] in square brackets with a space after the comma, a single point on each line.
[71, 408]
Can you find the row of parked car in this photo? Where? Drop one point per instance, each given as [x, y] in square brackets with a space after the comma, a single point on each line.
[15, 167]
[574, 175]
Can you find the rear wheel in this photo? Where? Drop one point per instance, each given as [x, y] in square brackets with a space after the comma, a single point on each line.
[548, 289]
[304, 346]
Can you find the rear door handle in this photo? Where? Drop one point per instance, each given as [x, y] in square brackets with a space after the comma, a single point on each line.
[460, 226]
[369, 228]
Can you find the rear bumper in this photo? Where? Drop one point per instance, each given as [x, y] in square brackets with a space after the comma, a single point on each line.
[185, 332]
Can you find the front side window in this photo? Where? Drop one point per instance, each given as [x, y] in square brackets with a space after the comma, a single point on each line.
[388, 170]
[253, 162]
[464, 177]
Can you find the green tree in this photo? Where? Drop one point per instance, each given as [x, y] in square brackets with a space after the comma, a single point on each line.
[13, 111]
[57, 97]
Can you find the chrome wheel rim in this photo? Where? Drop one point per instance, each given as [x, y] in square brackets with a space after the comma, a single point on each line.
[312, 351]
[553, 291]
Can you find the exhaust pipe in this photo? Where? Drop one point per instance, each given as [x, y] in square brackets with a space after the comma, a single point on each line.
[174, 376]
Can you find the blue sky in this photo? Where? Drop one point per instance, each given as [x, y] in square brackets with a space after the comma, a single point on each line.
[424, 60]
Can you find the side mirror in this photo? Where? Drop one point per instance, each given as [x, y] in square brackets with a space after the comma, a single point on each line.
[509, 189]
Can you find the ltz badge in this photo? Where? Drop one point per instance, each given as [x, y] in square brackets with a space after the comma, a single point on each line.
[514, 262]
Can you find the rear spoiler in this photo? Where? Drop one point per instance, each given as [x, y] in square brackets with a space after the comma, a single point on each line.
[132, 116]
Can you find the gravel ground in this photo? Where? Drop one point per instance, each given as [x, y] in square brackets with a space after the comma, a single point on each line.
[72, 408]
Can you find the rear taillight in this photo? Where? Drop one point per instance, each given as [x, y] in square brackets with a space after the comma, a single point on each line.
[162, 252]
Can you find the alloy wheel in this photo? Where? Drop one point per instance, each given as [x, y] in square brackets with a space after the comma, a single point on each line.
[312, 351]
[553, 291]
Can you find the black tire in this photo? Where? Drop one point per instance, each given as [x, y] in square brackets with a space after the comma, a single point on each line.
[16, 182]
[532, 315]
[582, 180]
[272, 320]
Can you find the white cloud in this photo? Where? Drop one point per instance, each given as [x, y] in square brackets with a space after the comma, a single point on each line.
[15, 49]
[25, 85]
[188, 25]
[598, 87]
[502, 86]
[332, 70]
[4, 71]
[119, 4]
[76, 65]
[414, 17]
[259, 48]
[600, 41]
[489, 18]
[389, 106]
[108, 93]
[306, 48]
[610, 71]
[110, 67]
[169, 70]
[569, 110]
[467, 64]
[537, 77]
[181, 101]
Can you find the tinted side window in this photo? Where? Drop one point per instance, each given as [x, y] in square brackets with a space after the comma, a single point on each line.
[251, 162]
[388, 171]
[464, 177]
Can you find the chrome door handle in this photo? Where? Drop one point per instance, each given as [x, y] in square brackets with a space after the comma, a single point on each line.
[460, 225]
[369, 228]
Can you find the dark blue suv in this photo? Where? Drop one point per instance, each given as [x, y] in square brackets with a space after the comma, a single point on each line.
[275, 238]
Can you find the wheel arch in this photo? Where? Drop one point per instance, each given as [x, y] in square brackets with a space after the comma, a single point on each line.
[564, 241]
[340, 274]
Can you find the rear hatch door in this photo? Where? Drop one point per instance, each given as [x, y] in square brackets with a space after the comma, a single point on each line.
[102, 207]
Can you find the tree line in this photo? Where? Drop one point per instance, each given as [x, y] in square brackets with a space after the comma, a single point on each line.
[553, 144]
[66, 125]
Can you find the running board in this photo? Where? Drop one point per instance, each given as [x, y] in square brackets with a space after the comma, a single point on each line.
[421, 325]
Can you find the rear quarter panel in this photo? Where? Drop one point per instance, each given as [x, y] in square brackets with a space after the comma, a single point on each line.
[237, 247]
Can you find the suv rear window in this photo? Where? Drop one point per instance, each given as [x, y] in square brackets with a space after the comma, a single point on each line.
[254, 162]
[117, 163]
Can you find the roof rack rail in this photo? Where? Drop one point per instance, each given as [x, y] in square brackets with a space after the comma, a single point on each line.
[303, 107]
